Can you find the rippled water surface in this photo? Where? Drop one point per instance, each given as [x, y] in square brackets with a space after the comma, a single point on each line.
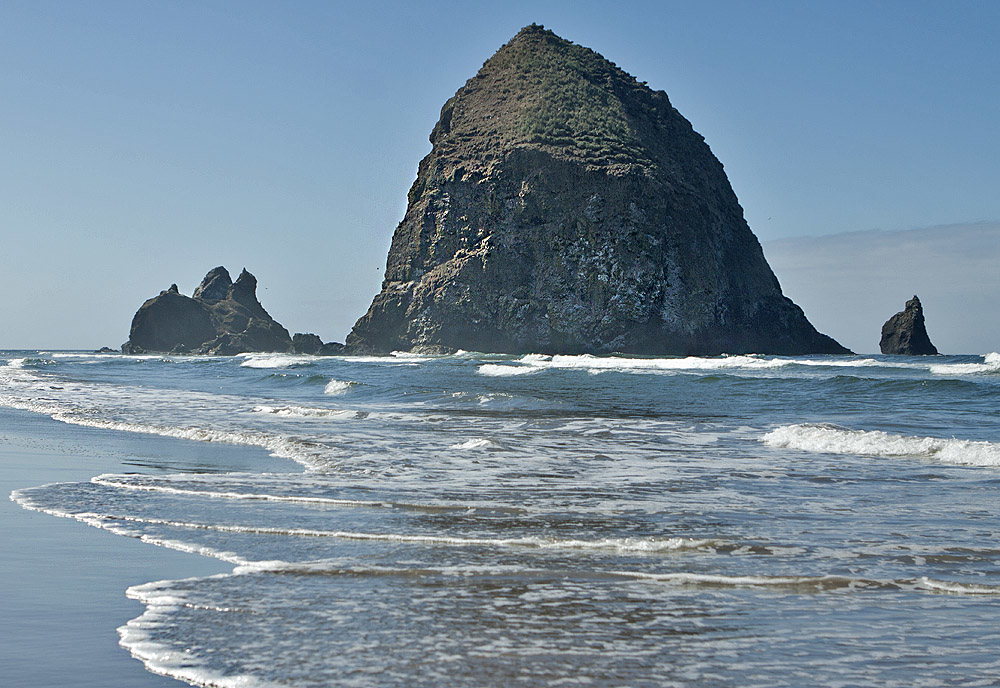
[475, 520]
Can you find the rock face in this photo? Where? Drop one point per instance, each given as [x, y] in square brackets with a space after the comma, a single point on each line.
[905, 333]
[311, 344]
[567, 208]
[222, 317]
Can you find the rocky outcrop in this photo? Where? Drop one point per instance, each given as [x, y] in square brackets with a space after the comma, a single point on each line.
[306, 343]
[222, 317]
[905, 333]
[567, 208]
[311, 344]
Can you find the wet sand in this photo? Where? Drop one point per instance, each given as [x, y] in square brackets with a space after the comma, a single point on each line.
[64, 582]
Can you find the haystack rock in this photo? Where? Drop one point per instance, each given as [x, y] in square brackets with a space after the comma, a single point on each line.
[905, 333]
[567, 208]
[222, 317]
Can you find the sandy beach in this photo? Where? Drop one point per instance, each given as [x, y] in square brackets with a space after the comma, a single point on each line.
[62, 600]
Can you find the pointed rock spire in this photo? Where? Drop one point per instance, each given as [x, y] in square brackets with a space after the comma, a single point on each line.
[905, 333]
[215, 286]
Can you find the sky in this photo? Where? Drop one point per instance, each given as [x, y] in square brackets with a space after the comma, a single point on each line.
[868, 276]
[143, 143]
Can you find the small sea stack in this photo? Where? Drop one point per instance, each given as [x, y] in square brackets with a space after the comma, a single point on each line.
[905, 333]
[566, 207]
[221, 317]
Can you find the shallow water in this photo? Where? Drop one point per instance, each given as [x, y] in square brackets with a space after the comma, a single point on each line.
[494, 520]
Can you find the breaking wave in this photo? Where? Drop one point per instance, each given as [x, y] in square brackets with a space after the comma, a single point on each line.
[990, 364]
[835, 440]
[308, 412]
[275, 360]
[337, 387]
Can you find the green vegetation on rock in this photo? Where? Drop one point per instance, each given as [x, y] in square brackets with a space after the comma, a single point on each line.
[567, 207]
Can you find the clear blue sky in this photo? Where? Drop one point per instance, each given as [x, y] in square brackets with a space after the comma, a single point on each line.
[147, 142]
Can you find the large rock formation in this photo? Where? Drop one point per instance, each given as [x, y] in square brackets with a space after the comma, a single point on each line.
[905, 333]
[222, 317]
[566, 207]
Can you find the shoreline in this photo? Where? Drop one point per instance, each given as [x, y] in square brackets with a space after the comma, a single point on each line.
[64, 582]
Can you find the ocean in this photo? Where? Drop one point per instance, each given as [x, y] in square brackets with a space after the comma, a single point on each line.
[491, 520]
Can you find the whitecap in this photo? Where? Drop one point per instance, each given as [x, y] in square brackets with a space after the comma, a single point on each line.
[990, 364]
[275, 360]
[959, 588]
[478, 443]
[586, 361]
[306, 412]
[337, 387]
[835, 440]
[498, 370]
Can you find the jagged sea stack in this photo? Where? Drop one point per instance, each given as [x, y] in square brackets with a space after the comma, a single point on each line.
[221, 317]
[905, 333]
[567, 208]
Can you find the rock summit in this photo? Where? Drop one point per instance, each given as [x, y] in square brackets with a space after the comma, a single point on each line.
[567, 208]
[905, 333]
[222, 317]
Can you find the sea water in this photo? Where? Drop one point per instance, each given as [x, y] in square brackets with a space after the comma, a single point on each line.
[487, 520]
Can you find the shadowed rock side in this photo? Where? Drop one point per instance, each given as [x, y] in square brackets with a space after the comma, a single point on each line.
[567, 208]
[905, 333]
[223, 317]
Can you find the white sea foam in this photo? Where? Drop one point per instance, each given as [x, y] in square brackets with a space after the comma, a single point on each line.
[282, 447]
[128, 482]
[690, 363]
[276, 360]
[118, 525]
[337, 387]
[645, 545]
[161, 600]
[817, 583]
[835, 440]
[990, 364]
[498, 370]
[307, 412]
[534, 363]
[477, 443]
[959, 588]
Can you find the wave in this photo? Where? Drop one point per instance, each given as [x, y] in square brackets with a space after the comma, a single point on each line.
[21, 363]
[478, 443]
[308, 412]
[275, 360]
[498, 370]
[990, 364]
[783, 583]
[533, 363]
[813, 583]
[130, 482]
[831, 439]
[303, 452]
[337, 387]
[627, 544]
[160, 658]
[958, 588]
